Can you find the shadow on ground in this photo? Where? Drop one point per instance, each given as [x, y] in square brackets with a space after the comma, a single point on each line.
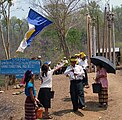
[67, 111]
[66, 99]
[94, 106]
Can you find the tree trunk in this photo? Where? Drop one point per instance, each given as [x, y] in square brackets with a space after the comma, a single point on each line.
[63, 43]
[8, 37]
[3, 40]
[66, 49]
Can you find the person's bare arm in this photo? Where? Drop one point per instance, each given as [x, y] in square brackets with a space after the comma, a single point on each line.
[32, 95]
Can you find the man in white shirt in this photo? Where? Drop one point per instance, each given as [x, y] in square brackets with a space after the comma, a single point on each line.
[76, 74]
[84, 63]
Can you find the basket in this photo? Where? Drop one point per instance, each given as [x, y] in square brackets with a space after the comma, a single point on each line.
[39, 113]
[52, 94]
[96, 87]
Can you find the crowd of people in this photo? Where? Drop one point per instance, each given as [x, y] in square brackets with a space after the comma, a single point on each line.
[76, 69]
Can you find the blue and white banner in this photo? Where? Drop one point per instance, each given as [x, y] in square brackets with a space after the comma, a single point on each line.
[36, 23]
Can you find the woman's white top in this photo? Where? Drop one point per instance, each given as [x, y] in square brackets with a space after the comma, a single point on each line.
[47, 80]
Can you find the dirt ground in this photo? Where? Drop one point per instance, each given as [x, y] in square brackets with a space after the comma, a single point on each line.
[12, 106]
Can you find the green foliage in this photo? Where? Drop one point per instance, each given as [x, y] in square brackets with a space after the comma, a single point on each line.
[74, 38]
[1, 83]
[119, 44]
[47, 43]
[118, 22]
[2, 80]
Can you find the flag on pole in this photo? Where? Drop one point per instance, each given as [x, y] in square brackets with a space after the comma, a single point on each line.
[36, 23]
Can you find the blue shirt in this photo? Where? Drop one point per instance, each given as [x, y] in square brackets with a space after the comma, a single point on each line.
[29, 85]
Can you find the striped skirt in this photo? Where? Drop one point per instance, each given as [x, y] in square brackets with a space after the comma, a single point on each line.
[103, 96]
[30, 113]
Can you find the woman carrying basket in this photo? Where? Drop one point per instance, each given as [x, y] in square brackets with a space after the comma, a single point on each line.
[31, 101]
[44, 94]
[101, 77]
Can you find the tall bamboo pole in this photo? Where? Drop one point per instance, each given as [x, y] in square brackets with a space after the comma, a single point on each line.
[106, 45]
[104, 33]
[94, 37]
[88, 22]
[98, 36]
[107, 30]
[109, 36]
[113, 40]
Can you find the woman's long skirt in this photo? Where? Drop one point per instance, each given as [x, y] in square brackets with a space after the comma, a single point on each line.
[103, 96]
[44, 97]
[30, 113]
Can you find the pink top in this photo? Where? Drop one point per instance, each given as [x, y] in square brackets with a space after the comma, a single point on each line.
[23, 82]
[102, 80]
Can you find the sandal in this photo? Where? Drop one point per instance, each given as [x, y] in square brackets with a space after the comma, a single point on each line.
[48, 117]
[105, 104]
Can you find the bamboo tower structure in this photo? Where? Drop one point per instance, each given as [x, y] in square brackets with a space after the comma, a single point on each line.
[94, 39]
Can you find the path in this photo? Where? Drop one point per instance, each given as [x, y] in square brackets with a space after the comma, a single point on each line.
[13, 105]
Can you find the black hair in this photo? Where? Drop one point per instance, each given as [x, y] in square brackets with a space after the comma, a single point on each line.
[73, 57]
[44, 69]
[100, 65]
[28, 75]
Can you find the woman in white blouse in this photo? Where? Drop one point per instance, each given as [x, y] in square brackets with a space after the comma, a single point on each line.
[44, 94]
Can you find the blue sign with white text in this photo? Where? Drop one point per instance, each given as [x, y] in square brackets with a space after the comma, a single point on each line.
[18, 66]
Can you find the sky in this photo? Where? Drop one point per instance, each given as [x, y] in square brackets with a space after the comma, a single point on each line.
[20, 8]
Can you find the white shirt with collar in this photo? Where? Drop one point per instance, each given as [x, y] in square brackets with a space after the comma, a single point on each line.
[83, 63]
[77, 70]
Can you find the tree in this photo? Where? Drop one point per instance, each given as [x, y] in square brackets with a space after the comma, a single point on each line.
[5, 6]
[118, 22]
[62, 13]
[17, 30]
